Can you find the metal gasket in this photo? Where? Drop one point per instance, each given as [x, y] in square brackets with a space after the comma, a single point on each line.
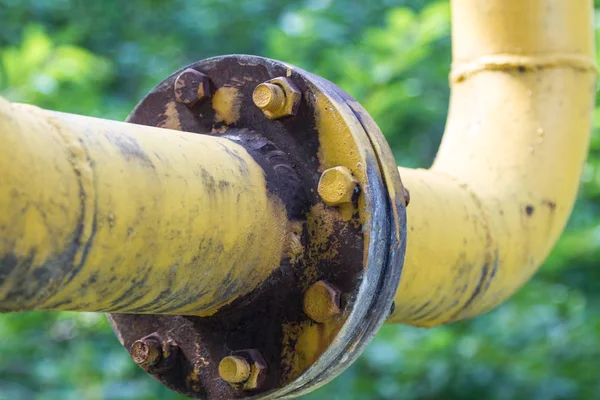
[357, 247]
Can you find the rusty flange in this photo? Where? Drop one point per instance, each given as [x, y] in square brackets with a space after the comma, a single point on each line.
[349, 246]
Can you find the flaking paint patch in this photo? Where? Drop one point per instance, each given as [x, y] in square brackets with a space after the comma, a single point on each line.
[170, 118]
[321, 222]
[227, 102]
[304, 342]
[338, 147]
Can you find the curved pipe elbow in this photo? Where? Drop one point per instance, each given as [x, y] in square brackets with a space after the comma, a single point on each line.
[485, 216]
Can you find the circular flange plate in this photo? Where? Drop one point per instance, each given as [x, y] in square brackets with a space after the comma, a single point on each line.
[357, 247]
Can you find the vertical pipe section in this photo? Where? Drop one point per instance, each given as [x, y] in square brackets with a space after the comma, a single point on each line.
[485, 216]
[99, 215]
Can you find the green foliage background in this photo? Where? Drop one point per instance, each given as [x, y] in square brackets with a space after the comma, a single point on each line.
[99, 57]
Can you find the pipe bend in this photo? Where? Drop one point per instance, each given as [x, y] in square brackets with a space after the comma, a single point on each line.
[485, 216]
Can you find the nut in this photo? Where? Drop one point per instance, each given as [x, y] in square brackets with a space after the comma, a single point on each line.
[191, 87]
[322, 301]
[234, 369]
[277, 98]
[336, 186]
[146, 352]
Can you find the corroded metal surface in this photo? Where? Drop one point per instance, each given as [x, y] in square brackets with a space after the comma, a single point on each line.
[357, 246]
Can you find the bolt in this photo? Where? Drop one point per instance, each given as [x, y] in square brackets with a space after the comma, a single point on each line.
[191, 87]
[336, 186]
[146, 352]
[277, 98]
[244, 370]
[268, 97]
[234, 369]
[322, 301]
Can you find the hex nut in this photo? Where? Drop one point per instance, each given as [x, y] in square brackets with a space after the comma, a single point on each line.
[258, 374]
[322, 301]
[336, 186]
[277, 98]
[191, 87]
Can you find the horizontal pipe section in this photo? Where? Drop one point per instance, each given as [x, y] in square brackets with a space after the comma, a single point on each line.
[98, 215]
[486, 215]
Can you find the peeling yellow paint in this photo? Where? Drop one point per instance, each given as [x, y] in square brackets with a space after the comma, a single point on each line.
[226, 102]
[338, 146]
[324, 242]
[171, 117]
[304, 343]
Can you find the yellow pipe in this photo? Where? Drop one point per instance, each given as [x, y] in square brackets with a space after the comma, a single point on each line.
[106, 216]
[487, 213]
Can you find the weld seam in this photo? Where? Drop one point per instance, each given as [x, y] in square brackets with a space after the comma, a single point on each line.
[461, 71]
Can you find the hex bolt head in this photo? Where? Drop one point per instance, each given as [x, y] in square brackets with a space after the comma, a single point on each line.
[268, 97]
[322, 301]
[277, 98]
[336, 186]
[191, 87]
[234, 369]
[146, 352]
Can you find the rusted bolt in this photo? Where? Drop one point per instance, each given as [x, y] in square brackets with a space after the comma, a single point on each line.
[336, 186]
[244, 370]
[191, 87]
[146, 352]
[277, 98]
[322, 301]
[234, 369]
[268, 97]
